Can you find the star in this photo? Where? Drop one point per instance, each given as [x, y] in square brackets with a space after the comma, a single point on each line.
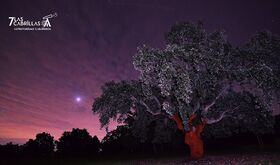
[78, 99]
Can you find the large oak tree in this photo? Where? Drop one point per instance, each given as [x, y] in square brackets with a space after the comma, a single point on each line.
[198, 79]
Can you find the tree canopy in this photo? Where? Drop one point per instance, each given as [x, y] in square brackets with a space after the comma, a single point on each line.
[77, 142]
[198, 73]
[42, 145]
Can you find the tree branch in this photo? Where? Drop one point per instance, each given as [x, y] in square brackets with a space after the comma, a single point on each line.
[148, 109]
[197, 106]
[207, 107]
[267, 67]
[156, 99]
[212, 121]
[223, 115]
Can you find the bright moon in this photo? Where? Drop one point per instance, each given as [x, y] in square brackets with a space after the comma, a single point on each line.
[78, 99]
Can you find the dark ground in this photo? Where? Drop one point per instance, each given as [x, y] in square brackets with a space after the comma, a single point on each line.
[219, 158]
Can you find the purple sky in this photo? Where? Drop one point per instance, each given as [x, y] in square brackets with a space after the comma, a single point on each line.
[91, 42]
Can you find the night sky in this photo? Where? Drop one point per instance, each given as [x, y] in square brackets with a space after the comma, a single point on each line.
[42, 73]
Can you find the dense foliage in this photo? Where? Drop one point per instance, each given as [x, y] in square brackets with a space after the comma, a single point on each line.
[198, 73]
[42, 145]
[78, 142]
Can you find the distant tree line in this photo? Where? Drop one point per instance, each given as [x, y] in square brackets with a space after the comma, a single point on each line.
[121, 141]
[77, 142]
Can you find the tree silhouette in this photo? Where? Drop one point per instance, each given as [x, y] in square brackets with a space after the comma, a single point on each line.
[199, 79]
[78, 142]
[119, 141]
[42, 145]
[10, 150]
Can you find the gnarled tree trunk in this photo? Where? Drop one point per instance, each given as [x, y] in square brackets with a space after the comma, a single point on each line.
[192, 138]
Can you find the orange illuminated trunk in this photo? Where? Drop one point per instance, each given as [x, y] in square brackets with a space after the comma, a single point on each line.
[192, 138]
[178, 121]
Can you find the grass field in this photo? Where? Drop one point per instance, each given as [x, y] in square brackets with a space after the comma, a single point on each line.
[209, 159]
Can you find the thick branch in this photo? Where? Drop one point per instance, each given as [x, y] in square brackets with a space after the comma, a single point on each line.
[148, 109]
[223, 115]
[156, 99]
[197, 106]
[207, 107]
[212, 121]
